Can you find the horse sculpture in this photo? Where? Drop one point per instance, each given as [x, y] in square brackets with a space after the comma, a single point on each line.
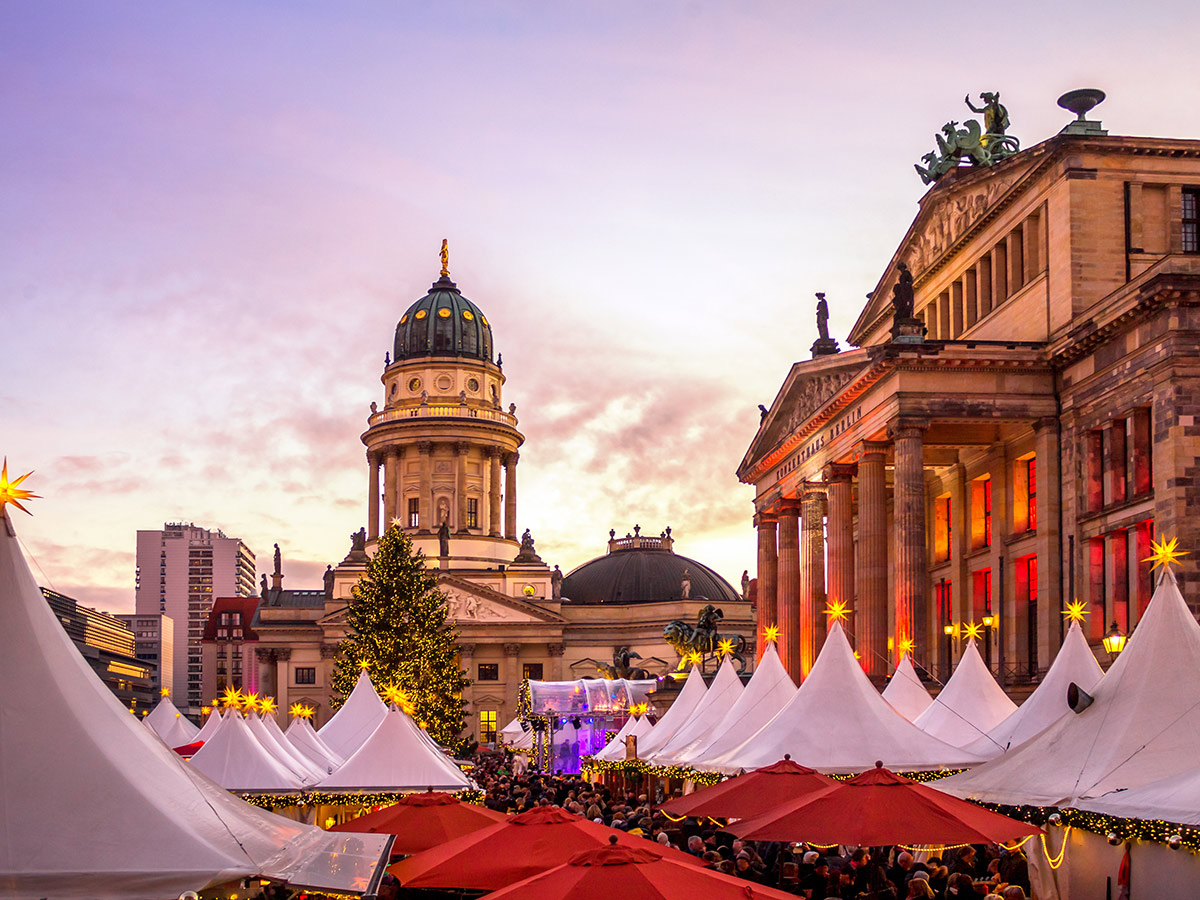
[621, 667]
[704, 637]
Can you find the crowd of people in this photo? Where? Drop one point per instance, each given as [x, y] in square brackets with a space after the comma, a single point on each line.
[875, 873]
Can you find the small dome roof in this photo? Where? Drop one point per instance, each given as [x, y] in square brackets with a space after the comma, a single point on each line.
[644, 570]
[443, 323]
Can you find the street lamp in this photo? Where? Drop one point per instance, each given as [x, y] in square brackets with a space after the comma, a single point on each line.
[1114, 641]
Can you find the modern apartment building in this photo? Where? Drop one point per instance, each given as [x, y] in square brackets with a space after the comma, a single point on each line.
[154, 642]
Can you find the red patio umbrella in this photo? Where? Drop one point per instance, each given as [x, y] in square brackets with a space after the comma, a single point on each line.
[878, 808]
[421, 821]
[634, 873]
[751, 794]
[525, 845]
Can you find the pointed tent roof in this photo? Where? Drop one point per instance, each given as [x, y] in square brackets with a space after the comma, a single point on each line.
[725, 691]
[209, 726]
[969, 706]
[395, 758]
[175, 830]
[1144, 723]
[169, 724]
[769, 690]
[675, 717]
[358, 717]
[1075, 663]
[234, 759]
[837, 722]
[905, 691]
[615, 749]
[303, 737]
[282, 750]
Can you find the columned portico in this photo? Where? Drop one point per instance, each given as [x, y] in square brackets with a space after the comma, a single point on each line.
[425, 500]
[372, 494]
[911, 557]
[494, 491]
[840, 529]
[787, 604]
[871, 613]
[391, 481]
[768, 562]
[812, 574]
[461, 450]
[510, 495]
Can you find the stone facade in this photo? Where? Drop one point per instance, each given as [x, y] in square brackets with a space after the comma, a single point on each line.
[1026, 449]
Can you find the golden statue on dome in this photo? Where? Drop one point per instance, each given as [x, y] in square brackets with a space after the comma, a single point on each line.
[445, 257]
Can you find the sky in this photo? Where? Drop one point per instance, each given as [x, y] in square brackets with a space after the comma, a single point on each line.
[213, 215]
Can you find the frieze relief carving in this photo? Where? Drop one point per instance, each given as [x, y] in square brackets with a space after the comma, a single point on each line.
[813, 394]
[464, 607]
[952, 219]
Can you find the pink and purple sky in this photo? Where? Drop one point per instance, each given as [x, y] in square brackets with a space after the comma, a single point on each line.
[212, 215]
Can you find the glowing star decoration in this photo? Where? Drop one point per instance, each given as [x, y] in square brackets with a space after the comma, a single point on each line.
[299, 711]
[1164, 553]
[11, 493]
[906, 645]
[267, 706]
[250, 702]
[364, 665]
[837, 611]
[695, 658]
[166, 692]
[725, 648]
[232, 698]
[1076, 611]
[771, 633]
[205, 710]
[972, 631]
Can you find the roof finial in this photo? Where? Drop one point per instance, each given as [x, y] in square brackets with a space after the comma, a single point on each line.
[445, 257]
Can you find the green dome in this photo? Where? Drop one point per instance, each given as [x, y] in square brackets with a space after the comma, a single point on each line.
[443, 323]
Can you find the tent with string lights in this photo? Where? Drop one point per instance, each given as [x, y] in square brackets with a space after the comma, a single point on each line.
[169, 724]
[301, 735]
[716, 703]
[1076, 663]
[905, 692]
[969, 705]
[1142, 726]
[397, 756]
[615, 749]
[769, 690]
[675, 717]
[92, 804]
[235, 759]
[358, 717]
[837, 722]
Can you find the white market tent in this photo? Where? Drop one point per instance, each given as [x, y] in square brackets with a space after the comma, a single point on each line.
[169, 724]
[303, 737]
[358, 717]
[969, 706]
[1143, 726]
[837, 722]
[209, 726]
[1048, 703]
[517, 737]
[234, 759]
[396, 757]
[1173, 799]
[94, 805]
[713, 707]
[677, 716]
[283, 751]
[615, 749]
[905, 692]
[769, 690]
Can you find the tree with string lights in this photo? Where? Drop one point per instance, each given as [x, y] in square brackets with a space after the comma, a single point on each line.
[399, 632]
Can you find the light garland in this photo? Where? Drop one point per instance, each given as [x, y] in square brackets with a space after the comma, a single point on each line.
[323, 798]
[1122, 830]
[1055, 862]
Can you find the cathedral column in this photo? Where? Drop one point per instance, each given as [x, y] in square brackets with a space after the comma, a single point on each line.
[871, 581]
[494, 491]
[512, 676]
[391, 477]
[466, 659]
[841, 538]
[282, 656]
[787, 604]
[425, 503]
[510, 495]
[556, 660]
[460, 484]
[812, 575]
[372, 495]
[911, 555]
[768, 560]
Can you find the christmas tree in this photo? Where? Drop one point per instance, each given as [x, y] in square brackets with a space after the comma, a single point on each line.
[398, 631]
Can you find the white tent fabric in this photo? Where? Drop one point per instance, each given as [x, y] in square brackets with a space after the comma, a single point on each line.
[1076, 663]
[283, 751]
[170, 725]
[837, 722]
[675, 717]
[303, 737]
[724, 691]
[94, 805]
[905, 691]
[322, 767]
[1143, 726]
[209, 726]
[614, 750]
[969, 706]
[234, 759]
[769, 690]
[512, 730]
[395, 758]
[358, 717]
[1174, 799]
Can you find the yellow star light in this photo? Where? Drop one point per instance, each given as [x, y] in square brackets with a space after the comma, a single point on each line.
[166, 692]
[205, 710]
[906, 645]
[771, 633]
[725, 647]
[250, 702]
[973, 631]
[695, 658]
[296, 710]
[11, 493]
[1165, 553]
[1075, 611]
[364, 665]
[837, 611]
[232, 698]
[267, 705]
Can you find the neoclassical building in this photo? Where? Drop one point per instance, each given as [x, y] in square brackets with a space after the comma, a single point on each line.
[1023, 443]
[442, 452]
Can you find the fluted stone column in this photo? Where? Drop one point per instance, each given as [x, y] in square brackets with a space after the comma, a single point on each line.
[840, 533]
[556, 652]
[372, 494]
[510, 495]
[460, 484]
[911, 556]
[512, 674]
[425, 502]
[494, 491]
[768, 562]
[871, 619]
[391, 478]
[787, 603]
[812, 575]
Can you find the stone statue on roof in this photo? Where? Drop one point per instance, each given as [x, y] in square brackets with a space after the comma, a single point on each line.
[902, 292]
[822, 317]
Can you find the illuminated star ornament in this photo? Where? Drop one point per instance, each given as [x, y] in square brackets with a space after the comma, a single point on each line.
[725, 647]
[166, 692]
[1076, 611]
[973, 631]
[837, 611]
[906, 645]
[364, 665]
[232, 698]
[1164, 553]
[771, 633]
[10, 492]
[695, 657]
[300, 711]
[267, 705]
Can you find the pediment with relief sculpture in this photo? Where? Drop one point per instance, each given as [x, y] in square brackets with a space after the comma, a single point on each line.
[468, 603]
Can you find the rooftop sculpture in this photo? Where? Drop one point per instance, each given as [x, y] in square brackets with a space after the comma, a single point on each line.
[982, 145]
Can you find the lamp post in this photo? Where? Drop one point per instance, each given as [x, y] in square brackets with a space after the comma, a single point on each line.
[988, 621]
[1114, 642]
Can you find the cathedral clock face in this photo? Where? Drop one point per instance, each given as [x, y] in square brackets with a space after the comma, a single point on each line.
[414, 384]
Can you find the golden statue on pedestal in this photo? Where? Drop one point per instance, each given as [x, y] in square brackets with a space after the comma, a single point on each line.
[445, 257]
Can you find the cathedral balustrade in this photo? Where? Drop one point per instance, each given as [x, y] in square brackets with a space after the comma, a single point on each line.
[442, 410]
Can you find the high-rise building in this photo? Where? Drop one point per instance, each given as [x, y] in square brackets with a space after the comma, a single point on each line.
[179, 570]
[154, 641]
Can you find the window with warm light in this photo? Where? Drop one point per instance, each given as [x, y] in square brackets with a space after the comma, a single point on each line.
[487, 725]
[981, 513]
[532, 671]
[942, 528]
[488, 672]
[414, 512]
[1025, 494]
[472, 512]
